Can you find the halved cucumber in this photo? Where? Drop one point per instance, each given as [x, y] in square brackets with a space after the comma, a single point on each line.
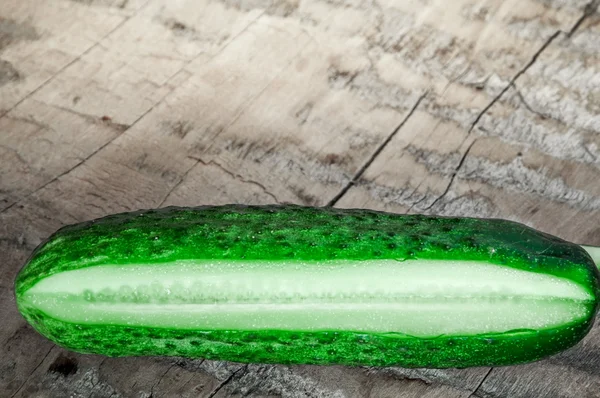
[293, 284]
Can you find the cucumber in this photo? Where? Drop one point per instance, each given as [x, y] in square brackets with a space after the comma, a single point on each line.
[291, 284]
[594, 253]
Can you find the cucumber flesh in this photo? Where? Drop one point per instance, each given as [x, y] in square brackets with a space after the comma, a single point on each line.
[423, 298]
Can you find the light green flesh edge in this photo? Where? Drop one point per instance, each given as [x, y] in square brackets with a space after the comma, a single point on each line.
[422, 298]
[594, 253]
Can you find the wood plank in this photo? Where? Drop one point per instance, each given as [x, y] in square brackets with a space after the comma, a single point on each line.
[38, 40]
[475, 108]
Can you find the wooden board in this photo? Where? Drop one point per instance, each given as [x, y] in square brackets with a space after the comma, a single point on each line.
[482, 108]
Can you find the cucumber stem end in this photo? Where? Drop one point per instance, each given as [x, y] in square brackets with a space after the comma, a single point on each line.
[594, 252]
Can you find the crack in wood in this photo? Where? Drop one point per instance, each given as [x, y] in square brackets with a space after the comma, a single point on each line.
[542, 115]
[528, 107]
[377, 152]
[453, 175]
[229, 173]
[188, 380]
[511, 83]
[181, 180]
[514, 79]
[474, 393]
[589, 152]
[119, 133]
[74, 112]
[74, 60]
[104, 120]
[64, 173]
[239, 378]
[240, 178]
[159, 380]
[588, 11]
[214, 392]
[33, 371]
[419, 200]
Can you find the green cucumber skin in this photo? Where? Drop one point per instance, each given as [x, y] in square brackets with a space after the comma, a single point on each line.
[288, 233]
[320, 348]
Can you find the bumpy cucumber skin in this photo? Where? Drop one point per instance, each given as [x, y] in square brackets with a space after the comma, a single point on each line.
[286, 233]
[323, 348]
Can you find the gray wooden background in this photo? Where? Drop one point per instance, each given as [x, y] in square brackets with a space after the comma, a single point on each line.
[482, 108]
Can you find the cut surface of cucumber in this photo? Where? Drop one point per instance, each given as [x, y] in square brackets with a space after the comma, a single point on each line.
[291, 284]
[423, 298]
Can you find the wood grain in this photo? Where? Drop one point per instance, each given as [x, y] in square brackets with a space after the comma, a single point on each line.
[482, 108]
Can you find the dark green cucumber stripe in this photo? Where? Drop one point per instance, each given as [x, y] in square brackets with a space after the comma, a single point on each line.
[235, 232]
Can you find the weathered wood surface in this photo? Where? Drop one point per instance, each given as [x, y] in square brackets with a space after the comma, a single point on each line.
[476, 108]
